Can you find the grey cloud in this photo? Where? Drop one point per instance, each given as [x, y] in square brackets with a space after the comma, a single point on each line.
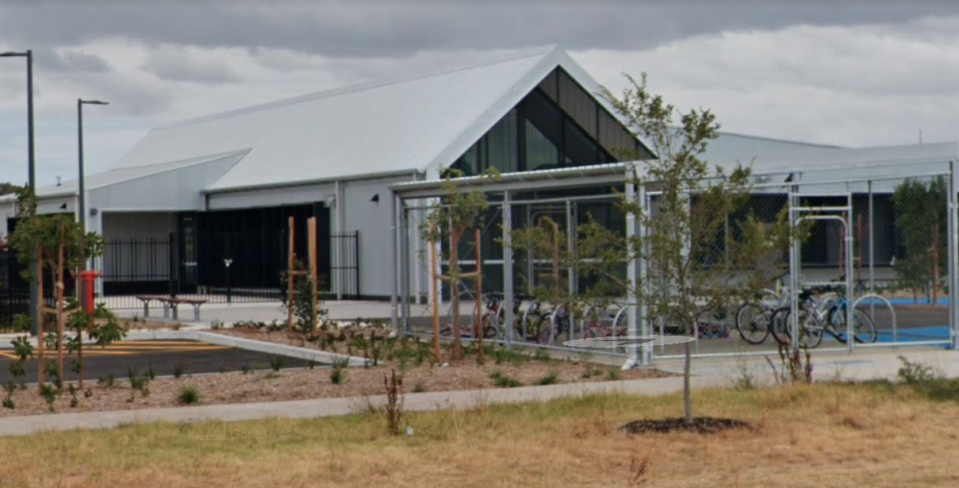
[179, 65]
[69, 60]
[354, 29]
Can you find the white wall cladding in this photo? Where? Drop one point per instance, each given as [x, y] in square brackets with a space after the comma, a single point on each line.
[270, 197]
[374, 222]
[7, 211]
[169, 190]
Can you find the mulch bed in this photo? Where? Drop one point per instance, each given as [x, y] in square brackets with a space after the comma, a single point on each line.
[700, 425]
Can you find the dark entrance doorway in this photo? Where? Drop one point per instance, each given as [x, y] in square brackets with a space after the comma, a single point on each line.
[247, 249]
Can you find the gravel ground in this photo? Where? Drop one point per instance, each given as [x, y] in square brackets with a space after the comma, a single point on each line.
[298, 384]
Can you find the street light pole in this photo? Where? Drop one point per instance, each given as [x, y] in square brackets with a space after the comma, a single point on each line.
[31, 169]
[82, 206]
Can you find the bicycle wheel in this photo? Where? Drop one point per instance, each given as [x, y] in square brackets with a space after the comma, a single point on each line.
[863, 328]
[544, 331]
[491, 326]
[752, 322]
[810, 332]
[777, 322]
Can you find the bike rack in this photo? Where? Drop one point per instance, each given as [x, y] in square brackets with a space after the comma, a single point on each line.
[522, 330]
[586, 311]
[616, 318]
[892, 311]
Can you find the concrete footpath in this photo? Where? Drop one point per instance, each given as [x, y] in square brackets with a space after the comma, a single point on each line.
[708, 373]
[331, 407]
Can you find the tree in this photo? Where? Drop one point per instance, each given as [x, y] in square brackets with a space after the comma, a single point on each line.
[449, 219]
[921, 222]
[694, 264]
[9, 188]
[58, 244]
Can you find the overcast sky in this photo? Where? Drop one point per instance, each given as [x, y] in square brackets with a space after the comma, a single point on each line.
[854, 73]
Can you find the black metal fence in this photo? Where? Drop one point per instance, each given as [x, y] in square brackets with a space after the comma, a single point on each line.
[14, 294]
[222, 267]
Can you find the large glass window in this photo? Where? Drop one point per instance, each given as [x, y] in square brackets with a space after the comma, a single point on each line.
[502, 149]
[541, 153]
[580, 149]
[558, 124]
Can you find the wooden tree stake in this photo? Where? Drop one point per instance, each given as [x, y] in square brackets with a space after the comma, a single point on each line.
[311, 228]
[59, 298]
[479, 292]
[289, 276]
[434, 297]
[40, 313]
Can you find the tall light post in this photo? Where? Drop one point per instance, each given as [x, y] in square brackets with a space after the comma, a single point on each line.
[31, 169]
[82, 201]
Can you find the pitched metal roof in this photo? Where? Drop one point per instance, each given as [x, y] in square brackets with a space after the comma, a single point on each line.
[413, 124]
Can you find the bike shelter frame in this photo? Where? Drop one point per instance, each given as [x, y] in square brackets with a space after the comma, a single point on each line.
[869, 172]
[797, 215]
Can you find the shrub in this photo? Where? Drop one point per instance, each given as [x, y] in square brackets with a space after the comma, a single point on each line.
[107, 381]
[419, 388]
[8, 403]
[502, 355]
[502, 381]
[188, 396]
[276, 363]
[916, 373]
[138, 383]
[550, 379]
[612, 374]
[178, 370]
[246, 369]
[542, 355]
[49, 395]
[150, 374]
[337, 375]
[394, 402]
[591, 371]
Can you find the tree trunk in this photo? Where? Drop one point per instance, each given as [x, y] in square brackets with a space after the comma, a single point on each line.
[60, 293]
[40, 338]
[687, 398]
[435, 299]
[80, 357]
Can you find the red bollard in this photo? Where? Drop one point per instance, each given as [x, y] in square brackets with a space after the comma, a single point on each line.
[88, 278]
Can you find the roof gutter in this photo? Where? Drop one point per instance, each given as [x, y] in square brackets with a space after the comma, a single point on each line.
[315, 181]
[528, 176]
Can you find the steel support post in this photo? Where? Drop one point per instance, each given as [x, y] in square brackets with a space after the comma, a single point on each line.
[953, 256]
[850, 299]
[508, 291]
[794, 250]
[632, 274]
[872, 263]
[405, 262]
[571, 247]
[394, 268]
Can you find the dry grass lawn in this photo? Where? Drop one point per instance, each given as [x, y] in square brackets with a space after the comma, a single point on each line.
[816, 436]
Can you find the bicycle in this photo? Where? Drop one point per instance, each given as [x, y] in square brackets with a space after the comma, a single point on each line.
[562, 319]
[864, 330]
[753, 319]
[711, 324]
[824, 315]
